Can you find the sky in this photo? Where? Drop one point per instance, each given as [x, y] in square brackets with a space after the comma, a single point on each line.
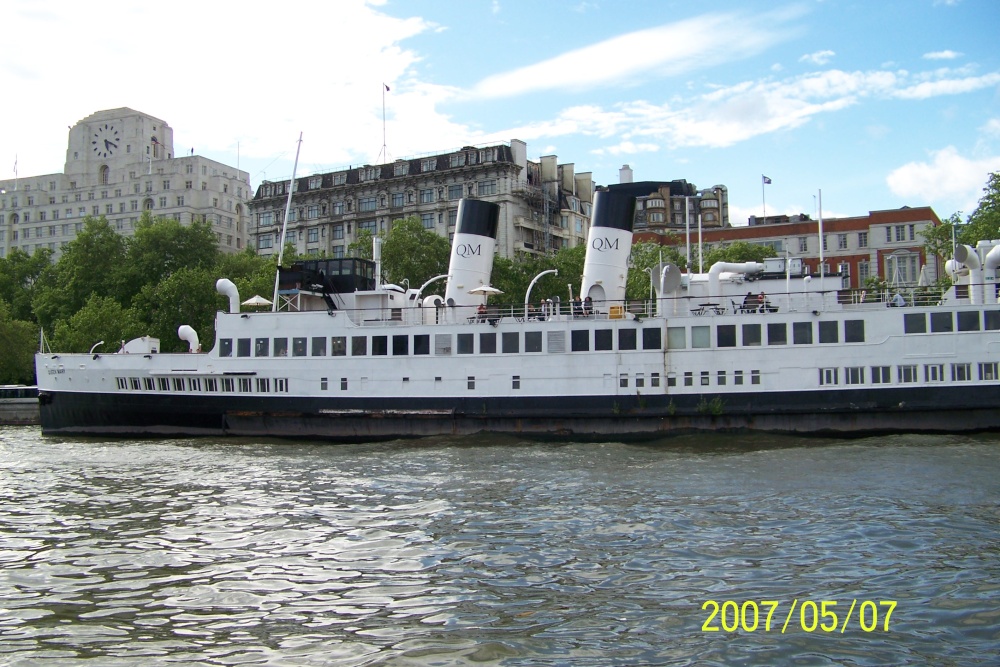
[857, 105]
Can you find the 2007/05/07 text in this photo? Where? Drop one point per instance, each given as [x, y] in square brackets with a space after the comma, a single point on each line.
[731, 616]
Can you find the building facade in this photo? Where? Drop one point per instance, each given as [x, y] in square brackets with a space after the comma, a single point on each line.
[119, 163]
[544, 206]
[884, 244]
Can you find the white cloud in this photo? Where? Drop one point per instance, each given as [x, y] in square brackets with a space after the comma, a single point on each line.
[927, 89]
[626, 148]
[818, 58]
[948, 176]
[947, 54]
[991, 128]
[673, 48]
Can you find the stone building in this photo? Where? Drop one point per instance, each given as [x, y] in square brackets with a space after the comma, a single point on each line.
[544, 206]
[119, 163]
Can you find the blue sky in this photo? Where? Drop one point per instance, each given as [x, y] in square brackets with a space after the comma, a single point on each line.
[878, 103]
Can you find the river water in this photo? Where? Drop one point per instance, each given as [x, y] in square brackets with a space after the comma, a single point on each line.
[492, 551]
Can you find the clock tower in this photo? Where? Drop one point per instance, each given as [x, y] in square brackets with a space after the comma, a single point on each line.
[108, 143]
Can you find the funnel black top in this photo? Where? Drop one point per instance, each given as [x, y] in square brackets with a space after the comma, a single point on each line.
[478, 217]
[613, 209]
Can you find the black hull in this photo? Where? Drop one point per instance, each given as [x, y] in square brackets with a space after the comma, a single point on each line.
[844, 412]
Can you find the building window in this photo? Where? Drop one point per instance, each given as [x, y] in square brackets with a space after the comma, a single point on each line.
[428, 220]
[312, 212]
[397, 199]
[803, 244]
[429, 164]
[427, 196]
[457, 160]
[367, 204]
[487, 187]
[841, 241]
[313, 235]
[862, 239]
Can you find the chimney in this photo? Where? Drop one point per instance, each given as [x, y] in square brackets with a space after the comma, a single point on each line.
[625, 174]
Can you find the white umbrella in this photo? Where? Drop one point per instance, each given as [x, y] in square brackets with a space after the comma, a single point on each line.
[256, 300]
[485, 290]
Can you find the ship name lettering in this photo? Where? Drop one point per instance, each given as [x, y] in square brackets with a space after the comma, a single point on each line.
[468, 250]
[604, 243]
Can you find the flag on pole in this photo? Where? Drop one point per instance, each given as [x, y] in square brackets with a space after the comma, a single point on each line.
[386, 87]
[767, 181]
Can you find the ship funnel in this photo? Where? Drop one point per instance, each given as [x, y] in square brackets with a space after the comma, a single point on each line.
[609, 244]
[471, 260]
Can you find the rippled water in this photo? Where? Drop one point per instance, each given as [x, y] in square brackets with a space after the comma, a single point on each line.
[488, 551]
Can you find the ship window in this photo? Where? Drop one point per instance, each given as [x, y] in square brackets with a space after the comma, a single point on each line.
[623, 380]
[933, 372]
[472, 382]
[179, 383]
[751, 334]
[194, 384]
[135, 383]
[465, 342]
[515, 382]
[511, 342]
[281, 347]
[338, 346]
[323, 384]
[721, 378]
[556, 342]
[422, 344]
[941, 322]
[988, 371]
[263, 385]
[961, 372]
[211, 384]
[701, 337]
[726, 335]
[827, 376]
[640, 381]
[968, 320]
[400, 346]
[319, 346]
[914, 323]
[380, 346]
[754, 377]
[281, 385]
[737, 377]
[359, 346]
[777, 333]
[343, 384]
[261, 346]
[991, 319]
[652, 339]
[442, 344]
[487, 343]
[532, 341]
[854, 375]
[854, 331]
[907, 373]
[626, 339]
[705, 379]
[580, 340]
[163, 384]
[245, 385]
[676, 338]
[688, 378]
[228, 385]
[671, 380]
[299, 346]
[829, 332]
[243, 347]
[122, 383]
[225, 347]
[880, 375]
[802, 333]
[603, 339]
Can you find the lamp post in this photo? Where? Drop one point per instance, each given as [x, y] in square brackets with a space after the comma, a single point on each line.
[527, 294]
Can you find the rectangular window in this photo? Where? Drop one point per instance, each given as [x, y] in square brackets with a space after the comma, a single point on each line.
[603, 339]
[261, 346]
[397, 199]
[754, 377]
[299, 347]
[623, 380]
[487, 343]
[854, 331]
[705, 379]
[455, 191]
[726, 335]
[486, 188]
[933, 372]
[319, 346]
[701, 337]
[991, 320]
[367, 204]
[914, 323]
[427, 196]
[243, 347]
[442, 344]
[532, 341]
[988, 371]
[380, 346]
[225, 347]
[245, 385]
[652, 339]
[968, 320]
[751, 334]
[421, 344]
[400, 346]
[626, 339]
[802, 333]
[828, 332]
[465, 342]
[941, 322]
[688, 379]
[338, 346]
[654, 379]
[961, 372]
[312, 236]
[854, 375]
[803, 244]
[906, 373]
[827, 376]
[515, 382]
[457, 160]
[359, 346]
[841, 241]
[862, 239]
[178, 384]
[720, 378]
[777, 333]
[676, 338]
[511, 341]
[263, 385]
[880, 375]
[471, 382]
[580, 340]
[429, 164]
[427, 220]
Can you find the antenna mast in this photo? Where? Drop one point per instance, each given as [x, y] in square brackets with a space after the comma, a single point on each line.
[284, 226]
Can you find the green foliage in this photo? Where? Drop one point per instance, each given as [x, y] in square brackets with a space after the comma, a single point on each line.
[361, 247]
[100, 318]
[413, 253]
[19, 274]
[160, 247]
[18, 340]
[251, 273]
[738, 251]
[188, 296]
[644, 257]
[938, 240]
[982, 224]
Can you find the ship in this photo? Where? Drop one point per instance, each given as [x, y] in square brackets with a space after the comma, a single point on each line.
[750, 346]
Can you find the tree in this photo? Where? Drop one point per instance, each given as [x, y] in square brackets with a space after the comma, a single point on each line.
[101, 318]
[161, 246]
[938, 239]
[411, 252]
[361, 247]
[188, 296]
[250, 272]
[984, 222]
[738, 251]
[19, 273]
[18, 340]
[91, 264]
[645, 256]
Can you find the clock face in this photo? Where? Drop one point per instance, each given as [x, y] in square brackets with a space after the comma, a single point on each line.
[105, 140]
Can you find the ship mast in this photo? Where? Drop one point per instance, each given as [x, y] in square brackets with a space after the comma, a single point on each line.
[284, 227]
